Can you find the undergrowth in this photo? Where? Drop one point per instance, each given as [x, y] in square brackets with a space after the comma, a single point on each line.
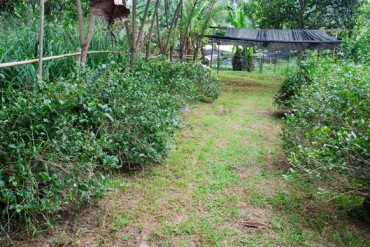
[326, 135]
[60, 141]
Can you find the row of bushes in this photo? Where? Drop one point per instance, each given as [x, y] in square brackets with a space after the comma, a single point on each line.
[59, 141]
[327, 133]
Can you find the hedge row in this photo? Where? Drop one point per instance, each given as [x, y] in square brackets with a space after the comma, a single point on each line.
[327, 134]
[58, 141]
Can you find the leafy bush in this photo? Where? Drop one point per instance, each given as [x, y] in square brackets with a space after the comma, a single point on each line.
[357, 48]
[59, 141]
[292, 84]
[327, 135]
[355, 45]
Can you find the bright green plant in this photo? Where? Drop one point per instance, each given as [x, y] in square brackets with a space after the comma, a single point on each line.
[292, 84]
[243, 58]
[19, 41]
[59, 141]
[327, 134]
[356, 43]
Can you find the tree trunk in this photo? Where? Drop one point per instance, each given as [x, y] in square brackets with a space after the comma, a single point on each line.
[133, 35]
[85, 43]
[159, 33]
[184, 36]
[41, 38]
[173, 26]
[151, 30]
[204, 28]
[139, 38]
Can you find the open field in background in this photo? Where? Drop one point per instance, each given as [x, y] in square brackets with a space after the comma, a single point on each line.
[224, 175]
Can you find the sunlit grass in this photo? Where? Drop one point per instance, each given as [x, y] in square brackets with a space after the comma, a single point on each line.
[225, 168]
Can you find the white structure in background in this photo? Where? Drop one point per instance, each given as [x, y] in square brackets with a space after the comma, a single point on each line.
[118, 2]
[208, 50]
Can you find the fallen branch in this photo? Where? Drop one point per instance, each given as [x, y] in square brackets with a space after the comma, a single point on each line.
[254, 225]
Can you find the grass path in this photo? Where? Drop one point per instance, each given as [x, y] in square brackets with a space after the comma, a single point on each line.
[222, 174]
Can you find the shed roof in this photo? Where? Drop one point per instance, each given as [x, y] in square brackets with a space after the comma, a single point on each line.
[278, 40]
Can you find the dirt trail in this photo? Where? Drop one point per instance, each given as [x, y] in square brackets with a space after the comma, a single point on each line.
[217, 188]
[216, 181]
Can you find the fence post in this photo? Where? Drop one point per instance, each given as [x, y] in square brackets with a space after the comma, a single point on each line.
[218, 56]
[41, 38]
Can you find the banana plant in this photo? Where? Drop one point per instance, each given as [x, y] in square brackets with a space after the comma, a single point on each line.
[243, 58]
[237, 17]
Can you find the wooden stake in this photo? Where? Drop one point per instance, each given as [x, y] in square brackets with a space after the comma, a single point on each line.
[218, 57]
[41, 38]
[213, 48]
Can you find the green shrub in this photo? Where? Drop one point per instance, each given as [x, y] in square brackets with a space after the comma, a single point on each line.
[292, 84]
[59, 141]
[327, 134]
[355, 45]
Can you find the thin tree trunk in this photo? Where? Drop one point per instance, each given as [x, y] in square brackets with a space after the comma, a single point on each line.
[41, 37]
[159, 33]
[85, 43]
[80, 21]
[151, 30]
[166, 11]
[128, 35]
[139, 38]
[181, 32]
[183, 42]
[133, 35]
[204, 28]
[172, 46]
[174, 21]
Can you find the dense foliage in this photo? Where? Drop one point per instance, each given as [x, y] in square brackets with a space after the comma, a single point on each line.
[356, 42]
[291, 85]
[310, 14]
[22, 45]
[327, 134]
[58, 141]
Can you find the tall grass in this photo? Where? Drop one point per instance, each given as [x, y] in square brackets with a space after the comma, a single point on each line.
[19, 41]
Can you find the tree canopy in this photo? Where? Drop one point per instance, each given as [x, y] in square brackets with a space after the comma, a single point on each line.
[299, 14]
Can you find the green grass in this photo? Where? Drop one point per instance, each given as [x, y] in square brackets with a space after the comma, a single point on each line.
[226, 168]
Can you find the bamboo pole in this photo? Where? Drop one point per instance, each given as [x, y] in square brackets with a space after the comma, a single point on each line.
[41, 38]
[18, 63]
